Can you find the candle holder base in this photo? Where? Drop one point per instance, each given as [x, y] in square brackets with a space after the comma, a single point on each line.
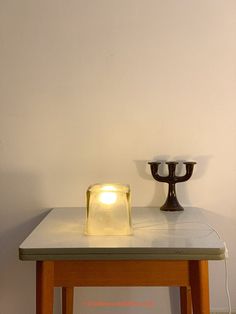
[171, 205]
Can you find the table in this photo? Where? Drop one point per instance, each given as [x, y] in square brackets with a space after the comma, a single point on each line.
[166, 249]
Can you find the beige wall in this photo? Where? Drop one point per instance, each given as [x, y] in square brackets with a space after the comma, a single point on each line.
[90, 90]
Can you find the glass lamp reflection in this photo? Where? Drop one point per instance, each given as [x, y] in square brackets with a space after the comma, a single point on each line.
[108, 210]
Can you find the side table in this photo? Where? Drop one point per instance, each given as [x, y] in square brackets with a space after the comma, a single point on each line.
[166, 249]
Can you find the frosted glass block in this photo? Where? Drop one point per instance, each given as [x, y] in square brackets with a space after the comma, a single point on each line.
[108, 210]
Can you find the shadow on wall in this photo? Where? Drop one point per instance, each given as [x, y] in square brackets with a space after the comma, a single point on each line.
[159, 195]
[20, 213]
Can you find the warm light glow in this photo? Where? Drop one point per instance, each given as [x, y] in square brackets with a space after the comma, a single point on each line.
[108, 198]
[108, 188]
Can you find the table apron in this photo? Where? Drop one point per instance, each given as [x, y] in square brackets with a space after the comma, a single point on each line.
[120, 273]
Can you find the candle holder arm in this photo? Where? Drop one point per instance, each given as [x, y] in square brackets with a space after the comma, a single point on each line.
[154, 170]
[189, 171]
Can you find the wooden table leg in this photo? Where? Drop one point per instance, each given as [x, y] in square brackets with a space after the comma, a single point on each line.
[199, 286]
[67, 300]
[44, 287]
[185, 300]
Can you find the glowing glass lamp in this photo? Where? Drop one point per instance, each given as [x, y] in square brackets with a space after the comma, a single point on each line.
[108, 210]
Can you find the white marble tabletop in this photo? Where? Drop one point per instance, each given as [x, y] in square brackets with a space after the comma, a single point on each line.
[156, 235]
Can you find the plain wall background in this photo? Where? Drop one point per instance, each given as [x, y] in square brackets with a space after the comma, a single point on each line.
[92, 89]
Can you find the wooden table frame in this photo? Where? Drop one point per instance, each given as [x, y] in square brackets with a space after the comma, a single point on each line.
[191, 276]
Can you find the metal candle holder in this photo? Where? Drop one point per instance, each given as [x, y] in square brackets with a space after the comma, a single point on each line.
[171, 203]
